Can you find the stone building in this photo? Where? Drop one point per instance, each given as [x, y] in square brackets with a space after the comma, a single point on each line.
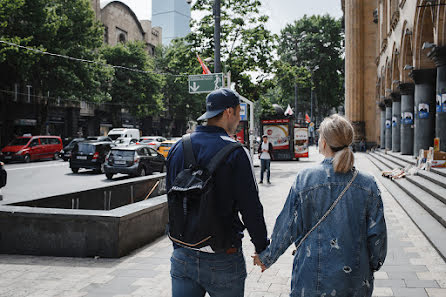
[396, 72]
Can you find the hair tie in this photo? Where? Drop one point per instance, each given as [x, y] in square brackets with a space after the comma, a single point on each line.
[337, 149]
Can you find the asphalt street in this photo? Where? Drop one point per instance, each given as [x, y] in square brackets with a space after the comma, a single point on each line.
[41, 179]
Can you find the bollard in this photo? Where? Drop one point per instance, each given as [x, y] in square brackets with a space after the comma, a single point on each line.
[407, 123]
[388, 103]
[396, 122]
[382, 107]
[424, 108]
[438, 55]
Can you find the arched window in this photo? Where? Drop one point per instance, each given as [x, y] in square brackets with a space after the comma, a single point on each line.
[121, 38]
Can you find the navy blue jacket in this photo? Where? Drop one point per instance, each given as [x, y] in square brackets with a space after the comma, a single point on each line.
[236, 186]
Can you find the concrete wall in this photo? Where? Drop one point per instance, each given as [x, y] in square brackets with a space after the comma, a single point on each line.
[45, 231]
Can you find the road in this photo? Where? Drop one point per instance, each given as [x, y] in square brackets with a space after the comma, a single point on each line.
[40, 179]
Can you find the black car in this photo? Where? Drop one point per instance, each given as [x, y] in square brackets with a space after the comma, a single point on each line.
[65, 153]
[90, 155]
[135, 160]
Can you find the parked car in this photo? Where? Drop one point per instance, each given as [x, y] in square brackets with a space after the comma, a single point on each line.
[65, 153]
[152, 141]
[100, 138]
[28, 148]
[125, 141]
[90, 155]
[123, 133]
[165, 147]
[135, 160]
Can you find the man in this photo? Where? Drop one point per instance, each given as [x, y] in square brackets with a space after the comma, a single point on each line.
[195, 272]
[265, 155]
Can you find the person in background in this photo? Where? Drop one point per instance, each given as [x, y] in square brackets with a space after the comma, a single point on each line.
[265, 155]
[334, 215]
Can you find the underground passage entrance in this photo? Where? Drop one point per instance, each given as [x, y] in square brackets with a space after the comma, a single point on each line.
[110, 221]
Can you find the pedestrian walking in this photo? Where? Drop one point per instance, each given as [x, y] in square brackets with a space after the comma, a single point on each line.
[334, 215]
[265, 155]
[214, 263]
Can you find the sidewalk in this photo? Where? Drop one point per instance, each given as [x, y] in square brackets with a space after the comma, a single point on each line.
[412, 267]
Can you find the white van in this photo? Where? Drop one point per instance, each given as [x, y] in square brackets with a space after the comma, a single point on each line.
[123, 133]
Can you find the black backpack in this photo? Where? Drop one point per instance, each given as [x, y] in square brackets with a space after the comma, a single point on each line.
[194, 220]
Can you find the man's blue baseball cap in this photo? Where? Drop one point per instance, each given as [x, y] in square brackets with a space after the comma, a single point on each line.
[218, 101]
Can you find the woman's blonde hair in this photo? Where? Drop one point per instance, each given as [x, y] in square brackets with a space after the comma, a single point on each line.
[338, 133]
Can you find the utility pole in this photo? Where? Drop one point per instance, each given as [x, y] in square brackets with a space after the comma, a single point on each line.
[217, 62]
[295, 101]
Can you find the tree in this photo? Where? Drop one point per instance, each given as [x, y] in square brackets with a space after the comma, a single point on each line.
[315, 43]
[246, 45]
[136, 91]
[176, 61]
[60, 26]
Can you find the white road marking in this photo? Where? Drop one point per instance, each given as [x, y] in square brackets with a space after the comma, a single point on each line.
[33, 167]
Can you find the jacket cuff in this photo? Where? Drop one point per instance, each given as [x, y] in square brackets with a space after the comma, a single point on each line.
[265, 258]
[260, 248]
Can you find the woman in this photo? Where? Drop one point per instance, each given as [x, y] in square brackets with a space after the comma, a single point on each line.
[339, 256]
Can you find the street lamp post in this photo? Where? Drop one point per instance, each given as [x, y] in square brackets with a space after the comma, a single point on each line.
[217, 62]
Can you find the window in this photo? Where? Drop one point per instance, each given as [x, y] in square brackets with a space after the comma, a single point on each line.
[142, 152]
[152, 152]
[106, 34]
[34, 142]
[44, 141]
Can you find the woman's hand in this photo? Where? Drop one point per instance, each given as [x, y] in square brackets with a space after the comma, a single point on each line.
[256, 261]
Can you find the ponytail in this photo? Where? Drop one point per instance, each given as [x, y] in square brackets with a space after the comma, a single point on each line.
[343, 160]
[338, 133]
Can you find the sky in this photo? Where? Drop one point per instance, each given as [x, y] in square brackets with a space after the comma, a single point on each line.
[281, 12]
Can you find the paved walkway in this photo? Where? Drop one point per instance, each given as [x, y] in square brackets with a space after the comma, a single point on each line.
[412, 268]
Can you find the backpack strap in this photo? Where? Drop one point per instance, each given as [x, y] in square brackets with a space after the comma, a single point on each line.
[189, 158]
[221, 155]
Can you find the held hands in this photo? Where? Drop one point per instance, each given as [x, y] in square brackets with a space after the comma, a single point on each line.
[256, 261]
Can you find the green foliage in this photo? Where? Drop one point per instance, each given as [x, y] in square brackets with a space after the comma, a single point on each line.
[176, 59]
[315, 43]
[59, 26]
[139, 92]
[246, 45]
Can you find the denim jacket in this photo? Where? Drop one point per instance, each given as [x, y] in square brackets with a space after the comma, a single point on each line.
[340, 256]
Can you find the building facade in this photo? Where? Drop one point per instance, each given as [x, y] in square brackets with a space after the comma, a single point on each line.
[396, 72]
[173, 16]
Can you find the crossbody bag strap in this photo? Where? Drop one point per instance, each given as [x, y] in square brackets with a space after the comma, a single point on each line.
[355, 173]
[189, 158]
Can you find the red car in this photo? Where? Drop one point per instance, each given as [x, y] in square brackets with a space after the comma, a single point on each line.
[28, 148]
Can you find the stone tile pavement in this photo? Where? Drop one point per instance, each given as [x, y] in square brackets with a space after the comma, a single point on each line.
[412, 268]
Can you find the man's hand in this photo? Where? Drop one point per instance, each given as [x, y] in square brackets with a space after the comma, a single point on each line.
[256, 261]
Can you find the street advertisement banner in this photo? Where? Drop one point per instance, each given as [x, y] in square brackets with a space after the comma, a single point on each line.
[407, 118]
[300, 142]
[394, 121]
[278, 134]
[443, 102]
[423, 111]
[388, 124]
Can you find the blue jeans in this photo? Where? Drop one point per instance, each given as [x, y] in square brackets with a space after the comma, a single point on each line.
[194, 273]
[264, 165]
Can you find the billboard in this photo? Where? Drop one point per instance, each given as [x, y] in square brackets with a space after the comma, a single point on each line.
[300, 142]
[278, 133]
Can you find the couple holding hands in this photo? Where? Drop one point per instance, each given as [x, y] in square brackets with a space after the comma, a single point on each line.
[333, 215]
